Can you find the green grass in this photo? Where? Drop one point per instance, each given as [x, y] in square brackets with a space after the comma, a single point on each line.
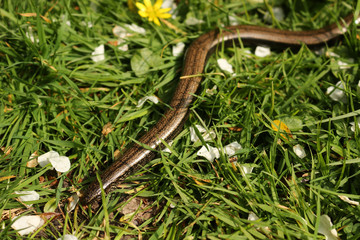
[54, 97]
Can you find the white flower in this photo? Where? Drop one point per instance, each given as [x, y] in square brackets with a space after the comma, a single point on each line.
[262, 51]
[153, 99]
[68, 237]
[193, 21]
[353, 124]
[346, 199]
[26, 196]
[225, 65]
[344, 65]
[337, 94]
[60, 163]
[325, 228]
[299, 151]
[231, 148]
[27, 224]
[208, 136]
[178, 49]
[98, 54]
[210, 153]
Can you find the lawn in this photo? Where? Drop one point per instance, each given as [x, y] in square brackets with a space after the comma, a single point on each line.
[74, 72]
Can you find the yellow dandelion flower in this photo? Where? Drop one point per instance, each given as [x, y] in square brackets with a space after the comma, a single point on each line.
[153, 12]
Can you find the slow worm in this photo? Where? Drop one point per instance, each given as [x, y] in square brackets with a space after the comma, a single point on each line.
[195, 59]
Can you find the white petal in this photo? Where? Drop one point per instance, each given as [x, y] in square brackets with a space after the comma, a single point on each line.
[353, 124]
[61, 163]
[68, 237]
[98, 54]
[231, 148]
[123, 47]
[27, 224]
[178, 49]
[43, 159]
[343, 65]
[252, 217]
[299, 151]
[246, 169]
[135, 28]
[337, 94]
[193, 21]
[28, 196]
[166, 149]
[358, 88]
[210, 154]
[346, 199]
[119, 31]
[325, 228]
[278, 14]
[262, 51]
[153, 99]
[225, 65]
[211, 91]
[208, 136]
[74, 199]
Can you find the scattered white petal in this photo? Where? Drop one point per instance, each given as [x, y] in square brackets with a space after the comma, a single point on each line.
[119, 32]
[135, 28]
[343, 65]
[211, 91]
[122, 47]
[98, 54]
[61, 163]
[262, 51]
[68, 237]
[87, 24]
[170, 4]
[353, 124]
[299, 151]
[153, 99]
[278, 14]
[357, 21]
[320, 51]
[63, 18]
[246, 169]
[29, 34]
[346, 199]
[231, 148]
[337, 94]
[167, 149]
[27, 224]
[193, 21]
[252, 217]
[358, 88]
[233, 21]
[43, 159]
[225, 65]
[73, 201]
[208, 136]
[172, 205]
[210, 153]
[26, 196]
[325, 228]
[178, 49]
